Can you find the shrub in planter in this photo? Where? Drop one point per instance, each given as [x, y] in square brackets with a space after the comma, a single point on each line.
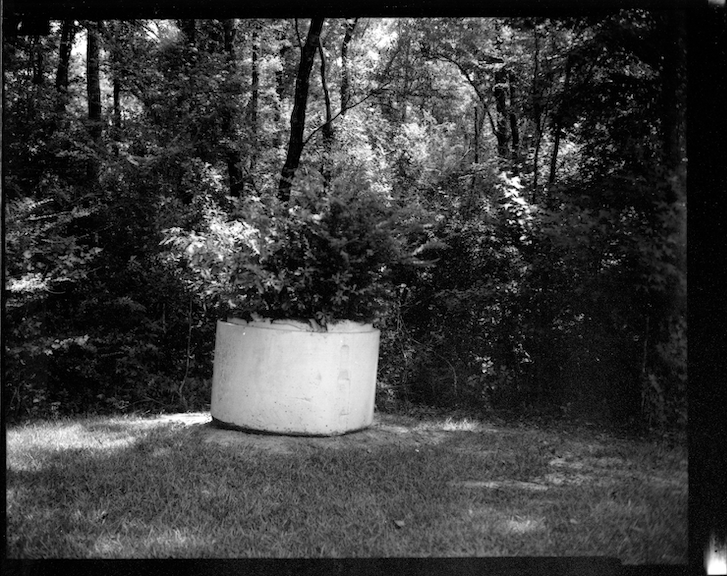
[324, 258]
[286, 275]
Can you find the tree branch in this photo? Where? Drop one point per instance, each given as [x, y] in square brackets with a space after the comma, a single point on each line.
[297, 34]
[369, 95]
[471, 82]
[345, 89]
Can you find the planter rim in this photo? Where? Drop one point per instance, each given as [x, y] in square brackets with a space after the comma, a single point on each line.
[340, 326]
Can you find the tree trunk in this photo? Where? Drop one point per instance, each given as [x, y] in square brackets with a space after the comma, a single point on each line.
[554, 157]
[327, 129]
[297, 117]
[254, 82]
[280, 92]
[68, 31]
[514, 131]
[229, 32]
[234, 173]
[37, 61]
[557, 123]
[93, 86]
[672, 90]
[673, 94]
[345, 73]
[231, 152]
[115, 39]
[404, 91]
[537, 110]
[254, 98]
[536, 158]
[502, 133]
[476, 144]
[93, 92]
[117, 108]
[189, 29]
[474, 187]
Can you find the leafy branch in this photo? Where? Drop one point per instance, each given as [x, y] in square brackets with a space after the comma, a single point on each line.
[376, 92]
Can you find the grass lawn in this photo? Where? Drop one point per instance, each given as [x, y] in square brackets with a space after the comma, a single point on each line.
[121, 487]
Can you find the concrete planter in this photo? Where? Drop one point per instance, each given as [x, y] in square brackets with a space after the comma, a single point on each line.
[285, 377]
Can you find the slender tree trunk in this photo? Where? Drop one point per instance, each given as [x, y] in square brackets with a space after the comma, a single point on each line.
[234, 173]
[536, 157]
[115, 132]
[93, 85]
[297, 117]
[93, 92]
[229, 33]
[327, 129]
[254, 82]
[672, 90]
[68, 31]
[557, 123]
[502, 133]
[515, 137]
[115, 38]
[350, 25]
[514, 131]
[476, 145]
[473, 195]
[554, 156]
[117, 100]
[537, 109]
[405, 88]
[231, 152]
[117, 109]
[280, 92]
[37, 61]
[673, 94]
[254, 98]
[189, 29]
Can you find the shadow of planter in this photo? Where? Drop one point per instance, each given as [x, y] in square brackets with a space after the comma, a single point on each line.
[287, 377]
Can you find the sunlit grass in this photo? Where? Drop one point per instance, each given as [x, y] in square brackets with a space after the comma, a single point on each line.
[459, 425]
[141, 487]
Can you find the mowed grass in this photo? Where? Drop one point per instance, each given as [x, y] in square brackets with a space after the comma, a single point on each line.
[132, 487]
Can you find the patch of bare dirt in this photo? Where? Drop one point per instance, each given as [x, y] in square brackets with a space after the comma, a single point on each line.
[386, 430]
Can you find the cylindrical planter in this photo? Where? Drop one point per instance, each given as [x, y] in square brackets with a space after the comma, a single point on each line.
[285, 377]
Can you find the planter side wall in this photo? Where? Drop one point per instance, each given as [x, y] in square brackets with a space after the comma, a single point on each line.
[293, 381]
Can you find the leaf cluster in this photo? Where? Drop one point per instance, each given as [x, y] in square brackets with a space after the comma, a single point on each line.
[327, 257]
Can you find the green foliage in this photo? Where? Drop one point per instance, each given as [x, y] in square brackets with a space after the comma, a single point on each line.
[664, 384]
[606, 277]
[456, 322]
[531, 163]
[97, 323]
[326, 258]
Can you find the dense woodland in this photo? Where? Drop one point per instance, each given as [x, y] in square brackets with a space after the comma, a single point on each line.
[529, 174]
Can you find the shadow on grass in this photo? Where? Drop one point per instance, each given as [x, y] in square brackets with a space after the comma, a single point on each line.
[103, 489]
[113, 488]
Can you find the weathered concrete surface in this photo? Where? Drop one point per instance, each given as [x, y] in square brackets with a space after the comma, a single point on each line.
[290, 378]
